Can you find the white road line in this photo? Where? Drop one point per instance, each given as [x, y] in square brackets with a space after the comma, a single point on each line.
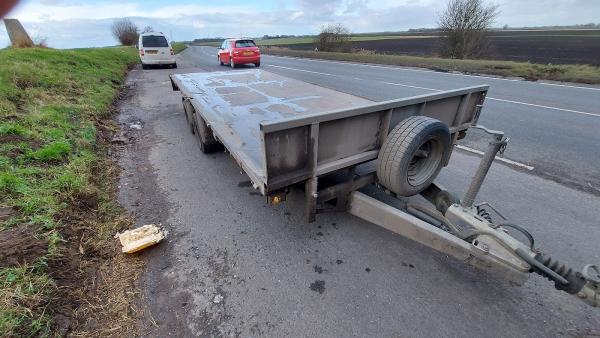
[409, 86]
[547, 107]
[304, 70]
[501, 159]
[439, 90]
[413, 69]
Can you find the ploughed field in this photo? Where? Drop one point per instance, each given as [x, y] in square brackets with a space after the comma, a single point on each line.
[556, 47]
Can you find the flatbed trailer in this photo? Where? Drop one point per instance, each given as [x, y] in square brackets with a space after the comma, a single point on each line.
[286, 133]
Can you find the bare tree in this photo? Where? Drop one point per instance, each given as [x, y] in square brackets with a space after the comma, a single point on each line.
[465, 24]
[333, 37]
[125, 31]
[40, 41]
[148, 29]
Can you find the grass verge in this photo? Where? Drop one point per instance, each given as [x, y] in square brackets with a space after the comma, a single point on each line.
[178, 47]
[57, 186]
[529, 71]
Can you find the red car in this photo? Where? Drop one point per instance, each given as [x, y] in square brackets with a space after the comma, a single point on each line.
[238, 52]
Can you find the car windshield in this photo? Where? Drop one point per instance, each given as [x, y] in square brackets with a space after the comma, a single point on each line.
[154, 41]
[245, 43]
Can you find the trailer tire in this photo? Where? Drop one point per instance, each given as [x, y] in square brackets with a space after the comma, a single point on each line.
[413, 154]
[206, 139]
[188, 110]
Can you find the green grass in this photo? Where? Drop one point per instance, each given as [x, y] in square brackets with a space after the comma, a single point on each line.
[212, 44]
[530, 71]
[178, 47]
[49, 100]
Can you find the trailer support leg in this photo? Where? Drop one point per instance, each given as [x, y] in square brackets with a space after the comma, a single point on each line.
[497, 144]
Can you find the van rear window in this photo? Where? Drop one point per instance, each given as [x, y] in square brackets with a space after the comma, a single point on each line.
[244, 43]
[154, 41]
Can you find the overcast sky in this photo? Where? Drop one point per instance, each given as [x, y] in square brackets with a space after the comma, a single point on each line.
[67, 23]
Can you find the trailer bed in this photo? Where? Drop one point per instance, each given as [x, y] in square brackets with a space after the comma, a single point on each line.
[283, 131]
[235, 103]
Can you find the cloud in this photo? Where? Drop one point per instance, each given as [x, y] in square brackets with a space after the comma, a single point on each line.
[68, 23]
[518, 13]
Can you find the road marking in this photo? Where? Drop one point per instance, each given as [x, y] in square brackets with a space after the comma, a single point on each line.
[503, 100]
[304, 70]
[413, 69]
[409, 86]
[439, 90]
[547, 107]
[501, 159]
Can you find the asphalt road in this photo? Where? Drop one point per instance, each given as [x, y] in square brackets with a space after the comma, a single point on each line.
[553, 127]
[233, 266]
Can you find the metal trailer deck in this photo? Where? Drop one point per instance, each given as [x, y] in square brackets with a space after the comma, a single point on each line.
[283, 131]
[286, 133]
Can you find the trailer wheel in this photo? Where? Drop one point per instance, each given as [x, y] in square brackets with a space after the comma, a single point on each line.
[413, 154]
[188, 110]
[206, 139]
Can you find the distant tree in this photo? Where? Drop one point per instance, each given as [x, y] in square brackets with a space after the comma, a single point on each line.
[333, 37]
[148, 29]
[505, 27]
[125, 31]
[590, 25]
[464, 25]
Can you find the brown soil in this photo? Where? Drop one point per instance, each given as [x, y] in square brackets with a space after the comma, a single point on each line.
[96, 283]
[6, 213]
[19, 246]
[10, 138]
[33, 144]
[535, 49]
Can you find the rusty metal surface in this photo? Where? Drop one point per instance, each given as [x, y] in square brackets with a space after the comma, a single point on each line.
[235, 103]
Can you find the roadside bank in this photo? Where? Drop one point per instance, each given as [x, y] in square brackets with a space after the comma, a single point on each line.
[61, 271]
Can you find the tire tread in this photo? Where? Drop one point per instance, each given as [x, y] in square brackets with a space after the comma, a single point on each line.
[394, 151]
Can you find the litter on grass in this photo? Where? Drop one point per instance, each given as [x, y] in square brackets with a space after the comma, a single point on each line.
[137, 239]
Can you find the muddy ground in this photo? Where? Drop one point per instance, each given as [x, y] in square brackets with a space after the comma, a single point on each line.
[233, 266]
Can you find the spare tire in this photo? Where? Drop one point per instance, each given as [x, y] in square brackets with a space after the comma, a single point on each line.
[413, 154]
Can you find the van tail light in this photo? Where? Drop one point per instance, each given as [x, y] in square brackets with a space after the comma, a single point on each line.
[172, 53]
[141, 52]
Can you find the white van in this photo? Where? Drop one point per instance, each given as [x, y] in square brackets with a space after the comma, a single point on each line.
[155, 49]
